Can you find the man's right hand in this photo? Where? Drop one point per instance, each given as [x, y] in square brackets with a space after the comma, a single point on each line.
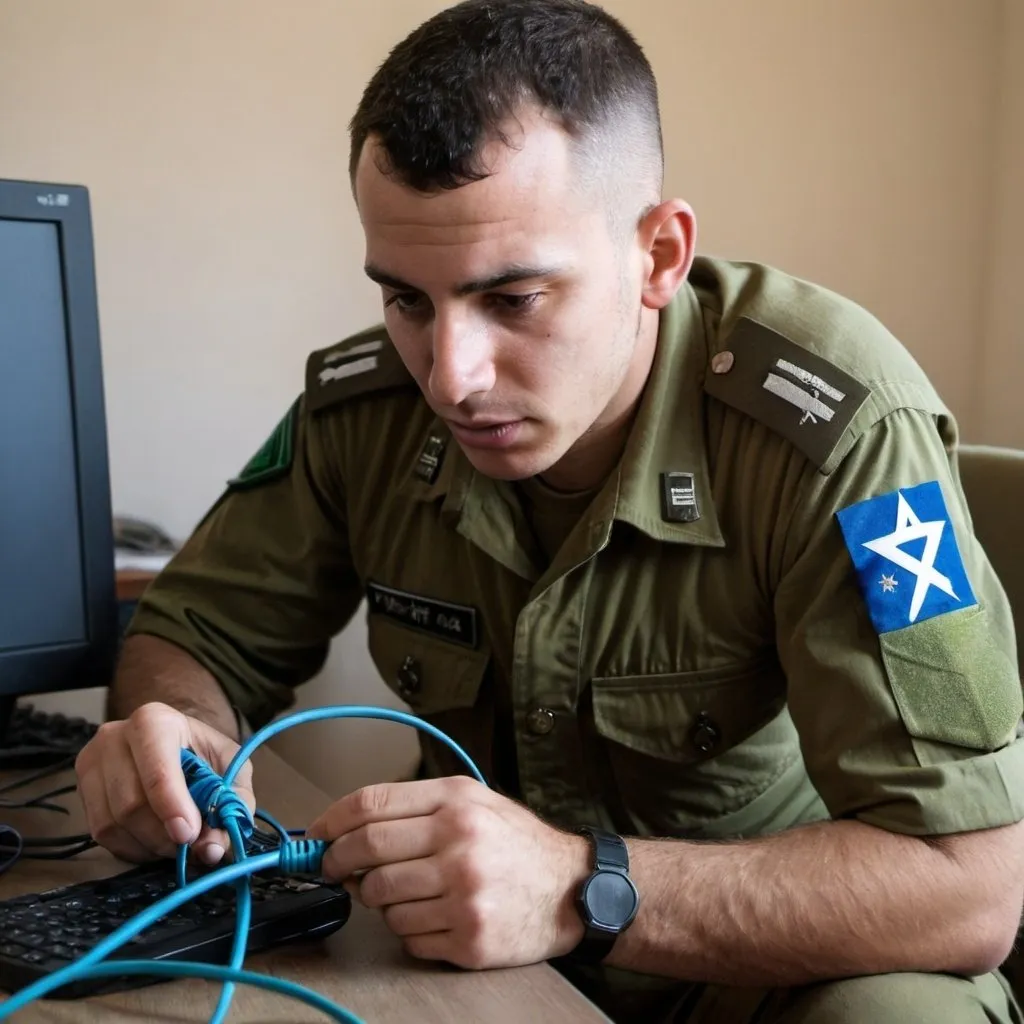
[133, 789]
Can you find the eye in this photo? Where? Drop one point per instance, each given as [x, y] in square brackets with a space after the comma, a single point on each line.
[515, 303]
[407, 303]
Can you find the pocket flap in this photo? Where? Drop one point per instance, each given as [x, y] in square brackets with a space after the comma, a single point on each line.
[429, 674]
[688, 716]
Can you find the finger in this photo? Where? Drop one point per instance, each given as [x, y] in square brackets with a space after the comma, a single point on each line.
[422, 917]
[431, 946]
[102, 826]
[129, 809]
[382, 842]
[156, 735]
[387, 801]
[211, 845]
[401, 883]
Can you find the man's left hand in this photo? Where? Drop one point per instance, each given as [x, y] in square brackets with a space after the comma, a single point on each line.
[460, 872]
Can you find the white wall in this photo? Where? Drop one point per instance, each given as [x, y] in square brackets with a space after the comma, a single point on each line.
[853, 143]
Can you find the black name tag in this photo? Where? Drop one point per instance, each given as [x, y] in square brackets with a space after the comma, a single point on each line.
[454, 622]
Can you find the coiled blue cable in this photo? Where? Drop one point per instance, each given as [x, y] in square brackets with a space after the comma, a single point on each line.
[223, 808]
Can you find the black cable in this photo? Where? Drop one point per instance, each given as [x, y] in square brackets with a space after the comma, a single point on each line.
[39, 773]
[33, 801]
[12, 858]
[71, 851]
[42, 847]
[80, 837]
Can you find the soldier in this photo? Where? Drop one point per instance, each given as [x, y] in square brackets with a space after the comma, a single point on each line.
[674, 547]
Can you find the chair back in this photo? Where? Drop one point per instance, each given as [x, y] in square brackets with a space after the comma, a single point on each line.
[993, 482]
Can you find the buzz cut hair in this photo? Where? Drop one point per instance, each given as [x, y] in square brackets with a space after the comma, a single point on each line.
[455, 83]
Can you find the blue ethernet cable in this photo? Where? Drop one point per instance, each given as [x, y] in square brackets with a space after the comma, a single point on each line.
[205, 796]
[213, 972]
[270, 820]
[223, 808]
[344, 711]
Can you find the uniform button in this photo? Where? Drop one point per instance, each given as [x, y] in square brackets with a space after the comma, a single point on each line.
[705, 734]
[409, 678]
[540, 721]
[722, 362]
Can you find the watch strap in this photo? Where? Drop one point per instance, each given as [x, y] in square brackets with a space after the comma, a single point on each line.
[610, 853]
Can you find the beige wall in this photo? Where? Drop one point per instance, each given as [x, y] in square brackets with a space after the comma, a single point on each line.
[850, 142]
[1000, 418]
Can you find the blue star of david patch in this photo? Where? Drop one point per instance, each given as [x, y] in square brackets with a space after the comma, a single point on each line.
[906, 556]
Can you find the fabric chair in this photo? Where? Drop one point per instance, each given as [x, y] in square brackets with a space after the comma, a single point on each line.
[993, 483]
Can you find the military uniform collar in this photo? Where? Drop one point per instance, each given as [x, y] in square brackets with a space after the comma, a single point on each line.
[668, 434]
[493, 521]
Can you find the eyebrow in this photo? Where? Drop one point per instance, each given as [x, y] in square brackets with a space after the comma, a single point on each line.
[510, 275]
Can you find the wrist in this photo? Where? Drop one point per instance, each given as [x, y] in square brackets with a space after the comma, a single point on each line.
[577, 865]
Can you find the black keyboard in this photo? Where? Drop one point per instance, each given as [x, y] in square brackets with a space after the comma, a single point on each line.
[43, 932]
[35, 739]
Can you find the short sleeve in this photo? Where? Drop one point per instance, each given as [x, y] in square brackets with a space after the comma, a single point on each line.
[897, 640]
[266, 579]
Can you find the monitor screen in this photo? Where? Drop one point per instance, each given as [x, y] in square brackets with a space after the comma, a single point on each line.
[41, 596]
[58, 616]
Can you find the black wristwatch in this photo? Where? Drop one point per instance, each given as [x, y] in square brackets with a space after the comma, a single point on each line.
[607, 900]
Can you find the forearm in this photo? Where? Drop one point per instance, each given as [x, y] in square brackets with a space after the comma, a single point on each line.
[831, 900]
[151, 669]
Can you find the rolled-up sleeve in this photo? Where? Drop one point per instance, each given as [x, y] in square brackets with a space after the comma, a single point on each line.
[898, 642]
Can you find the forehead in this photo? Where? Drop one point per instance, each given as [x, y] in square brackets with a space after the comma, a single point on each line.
[530, 200]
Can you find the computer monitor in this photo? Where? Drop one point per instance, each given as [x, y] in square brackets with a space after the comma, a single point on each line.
[58, 612]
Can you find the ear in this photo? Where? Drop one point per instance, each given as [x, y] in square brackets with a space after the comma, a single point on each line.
[668, 237]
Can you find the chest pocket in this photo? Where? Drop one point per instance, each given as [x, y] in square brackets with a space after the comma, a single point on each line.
[429, 674]
[687, 717]
[705, 754]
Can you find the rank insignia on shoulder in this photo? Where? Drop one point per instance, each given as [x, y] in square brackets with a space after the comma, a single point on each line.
[340, 364]
[795, 392]
[274, 459]
[365, 363]
[906, 556]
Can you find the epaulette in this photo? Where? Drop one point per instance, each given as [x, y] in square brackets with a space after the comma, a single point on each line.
[788, 388]
[362, 364]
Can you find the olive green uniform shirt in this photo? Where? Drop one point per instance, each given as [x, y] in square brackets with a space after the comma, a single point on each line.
[698, 659]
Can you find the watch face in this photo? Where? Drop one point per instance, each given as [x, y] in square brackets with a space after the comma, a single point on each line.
[611, 899]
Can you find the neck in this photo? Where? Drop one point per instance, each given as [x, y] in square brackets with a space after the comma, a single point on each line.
[589, 462]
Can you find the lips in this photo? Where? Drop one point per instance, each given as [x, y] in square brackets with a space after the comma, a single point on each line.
[492, 434]
[481, 424]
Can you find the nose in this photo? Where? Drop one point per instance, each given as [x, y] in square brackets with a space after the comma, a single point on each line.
[463, 362]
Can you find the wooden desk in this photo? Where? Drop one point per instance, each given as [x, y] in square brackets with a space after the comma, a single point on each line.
[362, 967]
[132, 582]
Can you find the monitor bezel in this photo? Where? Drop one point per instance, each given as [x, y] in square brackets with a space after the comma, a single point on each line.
[77, 665]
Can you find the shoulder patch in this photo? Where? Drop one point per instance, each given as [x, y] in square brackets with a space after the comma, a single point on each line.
[360, 365]
[274, 459]
[796, 393]
[907, 559]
